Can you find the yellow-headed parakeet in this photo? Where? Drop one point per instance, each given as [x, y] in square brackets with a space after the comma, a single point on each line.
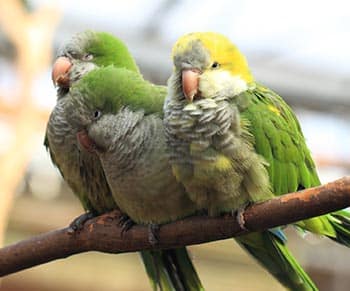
[233, 141]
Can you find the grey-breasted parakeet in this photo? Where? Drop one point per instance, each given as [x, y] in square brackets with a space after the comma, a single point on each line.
[233, 142]
[168, 270]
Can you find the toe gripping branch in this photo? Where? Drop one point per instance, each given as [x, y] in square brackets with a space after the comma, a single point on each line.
[240, 217]
[78, 223]
[125, 223]
[153, 234]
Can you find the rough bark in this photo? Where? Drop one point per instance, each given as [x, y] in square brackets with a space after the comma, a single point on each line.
[104, 234]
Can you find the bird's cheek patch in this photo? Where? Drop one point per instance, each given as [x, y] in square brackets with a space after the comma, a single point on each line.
[212, 83]
[207, 85]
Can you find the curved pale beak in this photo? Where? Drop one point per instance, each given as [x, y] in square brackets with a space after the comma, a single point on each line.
[85, 141]
[60, 72]
[190, 83]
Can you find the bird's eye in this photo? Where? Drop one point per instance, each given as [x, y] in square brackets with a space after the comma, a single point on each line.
[215, 65]
[88, 57]
[97, 114]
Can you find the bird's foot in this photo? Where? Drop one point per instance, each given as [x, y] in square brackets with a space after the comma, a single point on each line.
[239, 213]
[153, 234]
[125, 223]
[78, 223]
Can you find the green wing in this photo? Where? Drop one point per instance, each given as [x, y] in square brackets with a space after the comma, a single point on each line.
[279, 139]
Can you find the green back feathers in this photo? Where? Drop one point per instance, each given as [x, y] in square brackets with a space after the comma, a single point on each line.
[109, 50]
[278, 138]
[110, 88]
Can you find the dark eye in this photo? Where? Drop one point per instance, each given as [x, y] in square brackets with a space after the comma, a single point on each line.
[88, 57]
[97, 114]
[215, 65]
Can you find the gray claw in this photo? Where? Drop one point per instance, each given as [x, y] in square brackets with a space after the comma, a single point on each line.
[153, 234]
[126, 223]
[78, 223]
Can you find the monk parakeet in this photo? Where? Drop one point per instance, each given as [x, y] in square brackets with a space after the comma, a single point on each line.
[120, 122]
[168, 270]
[82, 53]
[233, 141]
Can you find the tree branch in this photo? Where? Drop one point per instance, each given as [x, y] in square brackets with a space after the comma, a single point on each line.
[103, 233]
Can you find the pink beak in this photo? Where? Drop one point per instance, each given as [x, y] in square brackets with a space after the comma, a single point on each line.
[60, 72]
[85, 141]
[190, 83]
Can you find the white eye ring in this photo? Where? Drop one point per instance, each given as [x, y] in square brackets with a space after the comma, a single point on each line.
[88, 57]
[97, 114]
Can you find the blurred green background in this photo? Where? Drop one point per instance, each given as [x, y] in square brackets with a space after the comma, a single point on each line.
[301, 49]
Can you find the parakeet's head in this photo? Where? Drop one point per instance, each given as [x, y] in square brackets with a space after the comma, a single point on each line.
[86, 51]
[209, 65]
[97, 100]
[209, 76]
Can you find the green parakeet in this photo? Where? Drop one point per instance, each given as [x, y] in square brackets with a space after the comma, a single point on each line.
[119, 122]
[83, 173]
[168, 270]
[233, 141]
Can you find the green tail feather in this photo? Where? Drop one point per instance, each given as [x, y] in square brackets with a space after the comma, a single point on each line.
[171, 270]
[272, 253]
[335, 226]
[156, 272]
[340, 221]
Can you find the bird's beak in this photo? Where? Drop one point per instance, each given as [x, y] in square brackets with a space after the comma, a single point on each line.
[85, 141]
[190, 83]
[60, 72]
